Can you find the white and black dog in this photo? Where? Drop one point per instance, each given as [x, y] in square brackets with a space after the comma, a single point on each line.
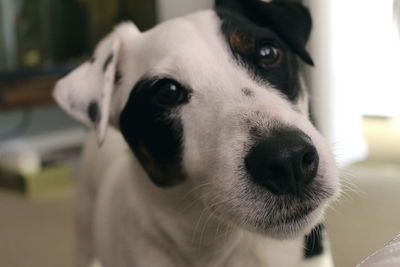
[214, 161]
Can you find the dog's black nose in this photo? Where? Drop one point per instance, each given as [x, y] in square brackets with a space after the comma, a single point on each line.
[284, 161]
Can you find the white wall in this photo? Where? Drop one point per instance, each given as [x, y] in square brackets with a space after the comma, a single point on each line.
[337, 80]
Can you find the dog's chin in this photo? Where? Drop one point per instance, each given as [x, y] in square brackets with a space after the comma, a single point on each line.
[290, 226]
[284, 225]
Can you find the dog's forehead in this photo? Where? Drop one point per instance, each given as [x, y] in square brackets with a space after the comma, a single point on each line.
[187, 45]
[190, 49]
[195, 27]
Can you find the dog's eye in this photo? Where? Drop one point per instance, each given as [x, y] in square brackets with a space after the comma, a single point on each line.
[168, 93]
[268, 55]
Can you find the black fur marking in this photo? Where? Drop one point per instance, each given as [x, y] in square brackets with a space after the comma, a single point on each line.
[247, 92]
[154, 137]
[118, 77]
[283, 75]
[108, 61]
[290, 21]
[93, 111]
[313, 243]
[92, 59]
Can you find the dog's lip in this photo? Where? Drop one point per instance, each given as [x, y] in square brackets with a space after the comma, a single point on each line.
[300, 214]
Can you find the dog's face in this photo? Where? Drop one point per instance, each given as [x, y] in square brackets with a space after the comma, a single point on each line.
[215, 100]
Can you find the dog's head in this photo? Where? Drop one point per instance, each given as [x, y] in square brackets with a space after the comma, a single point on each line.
[215, 99]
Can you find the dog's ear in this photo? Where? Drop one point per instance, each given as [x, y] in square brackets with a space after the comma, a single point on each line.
[86, 92]
[291, 21]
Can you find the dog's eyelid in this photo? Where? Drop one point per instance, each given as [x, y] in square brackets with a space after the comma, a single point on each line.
[160, 78]
[266, 40]
[153, 82]
[151, 87]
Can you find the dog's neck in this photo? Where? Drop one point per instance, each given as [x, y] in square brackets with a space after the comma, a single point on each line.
[183, 226]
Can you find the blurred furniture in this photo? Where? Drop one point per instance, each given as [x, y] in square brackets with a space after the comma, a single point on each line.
[25, 90]
[367, 215]
[42, 40]
[36, 232]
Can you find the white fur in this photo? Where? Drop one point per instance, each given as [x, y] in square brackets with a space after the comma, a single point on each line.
[124, 219]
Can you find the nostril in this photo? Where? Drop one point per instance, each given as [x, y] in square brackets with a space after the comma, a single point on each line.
[308, 159]
[309, 165]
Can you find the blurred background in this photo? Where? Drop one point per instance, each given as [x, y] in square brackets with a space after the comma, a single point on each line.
[355, 103]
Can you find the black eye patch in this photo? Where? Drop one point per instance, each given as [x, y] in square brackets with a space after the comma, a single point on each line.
[291, 21]
[264, 54]
[151, 132]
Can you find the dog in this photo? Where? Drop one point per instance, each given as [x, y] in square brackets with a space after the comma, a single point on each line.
[202, 152]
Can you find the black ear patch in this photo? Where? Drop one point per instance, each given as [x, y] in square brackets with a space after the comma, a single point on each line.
[93, 111]
[108, 61]
[290, 21]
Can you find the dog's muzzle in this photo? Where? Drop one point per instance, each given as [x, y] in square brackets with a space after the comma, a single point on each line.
[283, 161]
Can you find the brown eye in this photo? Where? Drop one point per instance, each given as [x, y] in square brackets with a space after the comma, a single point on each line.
[168, 93]
[268, 55]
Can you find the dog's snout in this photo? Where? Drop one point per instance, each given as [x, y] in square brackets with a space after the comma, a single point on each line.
[284, 161]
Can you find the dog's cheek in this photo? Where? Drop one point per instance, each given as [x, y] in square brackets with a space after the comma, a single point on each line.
[162, 166]
[163, 175]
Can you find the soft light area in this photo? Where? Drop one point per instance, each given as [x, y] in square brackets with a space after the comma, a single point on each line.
[366, 56]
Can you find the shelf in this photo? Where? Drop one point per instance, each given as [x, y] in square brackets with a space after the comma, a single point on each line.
[27, 91]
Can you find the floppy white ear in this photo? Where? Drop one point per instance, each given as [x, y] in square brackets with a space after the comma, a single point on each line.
[86, 92]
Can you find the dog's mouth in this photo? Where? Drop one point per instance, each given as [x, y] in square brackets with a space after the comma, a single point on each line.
[300, 214]
[289, 222]
[295, 209]
[279, 217]
[282, 217]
